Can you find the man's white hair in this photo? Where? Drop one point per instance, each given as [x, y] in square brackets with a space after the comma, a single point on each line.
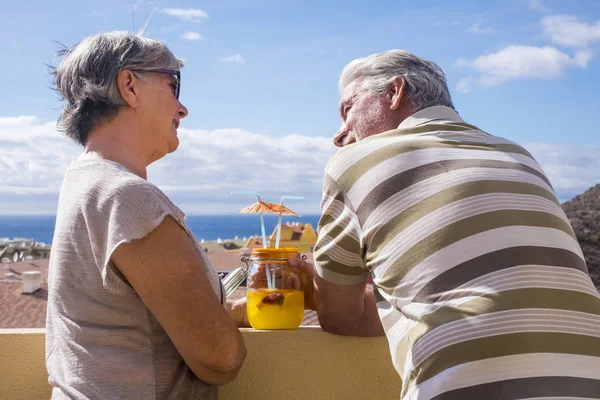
[425, 81]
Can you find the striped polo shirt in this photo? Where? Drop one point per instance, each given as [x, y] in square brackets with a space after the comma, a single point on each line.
[481, 285]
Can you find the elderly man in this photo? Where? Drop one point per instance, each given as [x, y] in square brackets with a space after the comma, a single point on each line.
[478, 281]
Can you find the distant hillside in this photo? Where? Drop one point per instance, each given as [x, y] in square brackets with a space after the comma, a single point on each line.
[584, 213]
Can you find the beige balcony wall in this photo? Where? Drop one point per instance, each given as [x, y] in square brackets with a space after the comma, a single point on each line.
[302, 364]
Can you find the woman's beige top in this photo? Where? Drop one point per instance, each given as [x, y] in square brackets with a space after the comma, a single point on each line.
[101, 340]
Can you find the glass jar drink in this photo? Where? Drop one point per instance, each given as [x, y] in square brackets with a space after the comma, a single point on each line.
[274, 296]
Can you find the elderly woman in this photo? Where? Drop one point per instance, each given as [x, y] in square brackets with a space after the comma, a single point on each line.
[135, 309]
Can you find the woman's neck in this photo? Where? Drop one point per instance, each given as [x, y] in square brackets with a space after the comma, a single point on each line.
[120, 144]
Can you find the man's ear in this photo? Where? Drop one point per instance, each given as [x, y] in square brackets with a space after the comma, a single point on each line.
[128, 85]
[396, 92]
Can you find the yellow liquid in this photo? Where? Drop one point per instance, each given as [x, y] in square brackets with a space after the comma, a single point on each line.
[275, 316]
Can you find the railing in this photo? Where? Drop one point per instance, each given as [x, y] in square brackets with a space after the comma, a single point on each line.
[303, 364]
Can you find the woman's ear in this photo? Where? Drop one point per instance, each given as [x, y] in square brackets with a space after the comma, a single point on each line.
[128, 85]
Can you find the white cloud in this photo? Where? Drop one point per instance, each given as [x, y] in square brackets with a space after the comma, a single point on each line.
[189, 14]
[514, 62]
[464, 85]
[567, 30]
[538, 6]
[192, 36]
[572, 169]
[33, 156]
[209, 164]
[477, 28]
[236, 58]
[198, 176]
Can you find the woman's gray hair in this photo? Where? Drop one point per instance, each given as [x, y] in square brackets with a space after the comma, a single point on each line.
[425, 81]
[86, 78]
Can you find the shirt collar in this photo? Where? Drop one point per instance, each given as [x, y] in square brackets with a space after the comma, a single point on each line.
[430, 114]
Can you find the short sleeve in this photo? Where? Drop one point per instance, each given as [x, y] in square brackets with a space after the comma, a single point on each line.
[338, 254]
[125, 210]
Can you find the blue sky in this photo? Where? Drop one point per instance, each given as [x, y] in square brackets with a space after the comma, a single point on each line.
[261, 85]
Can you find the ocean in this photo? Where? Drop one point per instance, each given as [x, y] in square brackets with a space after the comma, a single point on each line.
[207, 227]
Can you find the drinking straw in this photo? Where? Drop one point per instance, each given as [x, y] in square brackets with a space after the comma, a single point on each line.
[270, 282]
[277, 240]
[287, 211]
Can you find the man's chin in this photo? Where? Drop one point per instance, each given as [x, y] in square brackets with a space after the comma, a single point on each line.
[349, 140]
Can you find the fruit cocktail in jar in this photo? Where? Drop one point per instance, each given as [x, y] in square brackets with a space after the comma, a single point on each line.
[274, 296]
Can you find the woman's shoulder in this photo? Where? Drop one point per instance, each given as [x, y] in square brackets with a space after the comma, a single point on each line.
[105, 176]
[106, 184]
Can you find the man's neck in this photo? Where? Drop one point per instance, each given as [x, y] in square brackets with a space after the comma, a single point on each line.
[405, 111]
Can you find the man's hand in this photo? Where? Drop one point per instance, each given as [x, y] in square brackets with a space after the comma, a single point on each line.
[306, 273]
[298, 276]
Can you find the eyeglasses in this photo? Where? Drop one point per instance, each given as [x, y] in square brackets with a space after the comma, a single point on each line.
[176, 74]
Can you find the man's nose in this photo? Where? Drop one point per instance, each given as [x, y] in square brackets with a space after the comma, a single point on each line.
[338, 139]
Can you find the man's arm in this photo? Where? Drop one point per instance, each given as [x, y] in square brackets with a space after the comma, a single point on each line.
[347, 309]
[345, 302]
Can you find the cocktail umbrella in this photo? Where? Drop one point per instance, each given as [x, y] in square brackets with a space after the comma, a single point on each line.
[283, 210]
[260, 207]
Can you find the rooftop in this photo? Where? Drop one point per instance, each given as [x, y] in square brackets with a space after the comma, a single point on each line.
[16, 269]
[19, 310]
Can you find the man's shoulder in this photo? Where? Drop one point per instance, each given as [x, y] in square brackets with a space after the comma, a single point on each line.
[375, 149]
[362, 149]
[380, 157]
